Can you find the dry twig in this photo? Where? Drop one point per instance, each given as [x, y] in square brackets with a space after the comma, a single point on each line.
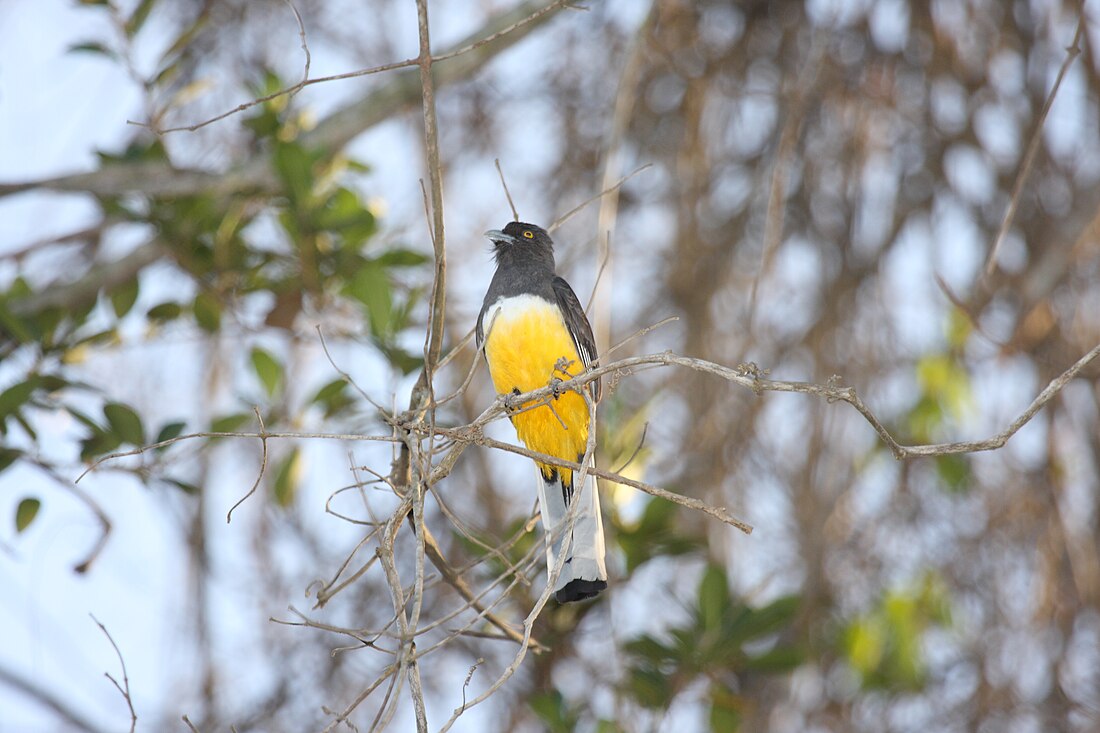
[124, 688]
[1072, 51]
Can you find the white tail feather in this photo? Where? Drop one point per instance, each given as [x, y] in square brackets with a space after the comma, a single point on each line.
[585, 554]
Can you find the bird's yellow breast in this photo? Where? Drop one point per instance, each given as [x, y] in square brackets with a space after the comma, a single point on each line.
[525, 344]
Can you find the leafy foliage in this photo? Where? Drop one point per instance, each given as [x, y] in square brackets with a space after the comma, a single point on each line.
[721, 641]
[327, 258]
[884, 645]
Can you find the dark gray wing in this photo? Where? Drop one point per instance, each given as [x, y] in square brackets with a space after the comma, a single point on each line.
[579, 328]
[478, 332]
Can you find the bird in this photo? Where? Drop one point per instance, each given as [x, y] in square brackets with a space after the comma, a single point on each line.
[532, 331]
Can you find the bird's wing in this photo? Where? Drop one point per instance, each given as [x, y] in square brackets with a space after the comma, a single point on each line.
[579, 327]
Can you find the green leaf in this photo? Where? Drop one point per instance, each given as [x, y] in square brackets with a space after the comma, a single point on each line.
[138, 17]
[267, 369]
[775, 661]
[371, 287]
[402, 258]
[17, 327]
[954, 470]
[169, 431]
[208, 312]
[287, 478]
[54, 383]
[92, 47]
[344, 212]
[725, 716]
[714, 598]
[164, 312]
[295, 168]
[865, 645]
[124, 422]
[98, 443]
[769, 619]
[8, 456]
[333, 397]
[25, 513]
[648, 648]
[401, 359]
[185, 487]
[123, 297]
[650, 688]
[229, 423]
[551, 708]
[15, 396]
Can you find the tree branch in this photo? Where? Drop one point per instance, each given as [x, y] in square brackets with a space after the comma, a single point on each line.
[1072, 51]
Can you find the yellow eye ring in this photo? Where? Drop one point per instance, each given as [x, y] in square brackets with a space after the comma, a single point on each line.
[528, 235]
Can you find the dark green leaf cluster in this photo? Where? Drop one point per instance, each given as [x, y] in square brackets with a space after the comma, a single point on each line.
[723, 640]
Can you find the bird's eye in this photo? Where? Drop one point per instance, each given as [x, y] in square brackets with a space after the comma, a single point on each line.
[528, 235]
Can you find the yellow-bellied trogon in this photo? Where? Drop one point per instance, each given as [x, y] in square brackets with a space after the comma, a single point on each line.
[533, 330]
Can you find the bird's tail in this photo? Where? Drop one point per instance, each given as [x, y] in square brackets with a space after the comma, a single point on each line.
[583, 574]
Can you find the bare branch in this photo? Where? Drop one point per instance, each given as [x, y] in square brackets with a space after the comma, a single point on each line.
[347, 377]
[637, 450]
[717, 512]
[302, 37]
[306, 81]
[569, 214]
[435, 554]
[507, 193]
[124, 688]
[263, 466]
[101, 516]
[210, 434]
[638, 334]
[1072, 51]
[332, 133]
[777, 191]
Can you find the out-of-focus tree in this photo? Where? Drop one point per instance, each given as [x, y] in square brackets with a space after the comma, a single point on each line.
[874, 190]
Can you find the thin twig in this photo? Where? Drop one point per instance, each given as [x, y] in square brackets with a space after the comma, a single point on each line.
[777, 191]
[231, 434]
[1072, 51]
[305, 46]
[637, 450]
[507, 193]
[435, 554]
[639, 333]
[101, 516]
[604, 259]
[717, 512]
[124, 688]
[470, 676]
[386, 673]
[346, 377]
[263, 467]
[569, 214]
[305, 82]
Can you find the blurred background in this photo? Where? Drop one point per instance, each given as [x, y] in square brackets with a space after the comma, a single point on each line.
[826, 181]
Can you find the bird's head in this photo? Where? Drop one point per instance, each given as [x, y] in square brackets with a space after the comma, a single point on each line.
[519, 242]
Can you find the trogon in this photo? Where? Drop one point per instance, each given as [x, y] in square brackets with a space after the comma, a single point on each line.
[532, 330]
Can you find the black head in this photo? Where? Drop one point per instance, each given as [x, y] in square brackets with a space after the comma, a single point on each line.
[520, 242]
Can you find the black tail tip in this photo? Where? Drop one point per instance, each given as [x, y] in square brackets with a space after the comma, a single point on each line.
[580, 590]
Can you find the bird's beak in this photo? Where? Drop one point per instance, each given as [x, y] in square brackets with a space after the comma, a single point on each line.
[498, 236]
